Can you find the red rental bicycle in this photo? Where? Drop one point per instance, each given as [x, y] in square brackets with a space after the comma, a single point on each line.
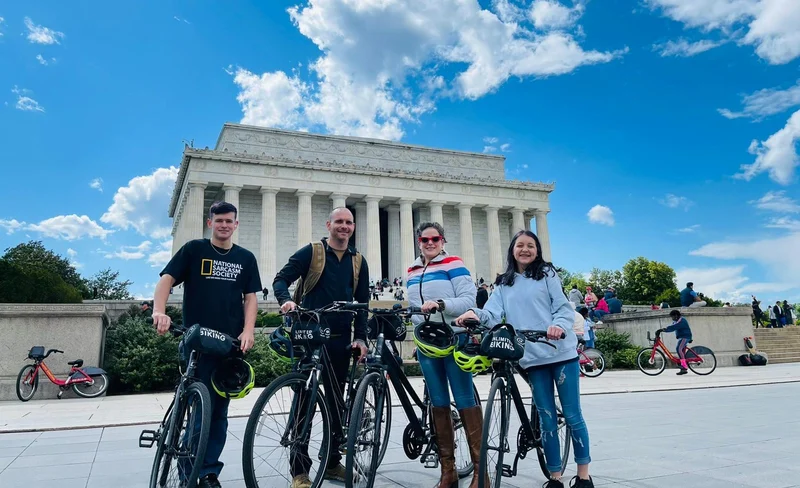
[89, 382]
[653, 360]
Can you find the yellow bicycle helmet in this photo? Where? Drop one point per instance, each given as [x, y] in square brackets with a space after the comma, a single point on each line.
[233, 378]
[469, 358]
[434, 339]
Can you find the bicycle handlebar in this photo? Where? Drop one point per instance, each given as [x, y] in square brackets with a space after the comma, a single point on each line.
[52, 351]
[334, 307]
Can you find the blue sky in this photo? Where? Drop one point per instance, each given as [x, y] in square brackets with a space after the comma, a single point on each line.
[669, 126]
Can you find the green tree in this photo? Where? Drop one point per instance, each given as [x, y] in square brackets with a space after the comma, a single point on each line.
[34, 285]
[106, 285]
[602, 279]
[671, 296]
[568, 279]
[645, 280]
[33, 254]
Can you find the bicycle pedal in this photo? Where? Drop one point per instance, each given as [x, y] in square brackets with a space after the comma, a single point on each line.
[507, 471]
[147, 438]
[431, 461]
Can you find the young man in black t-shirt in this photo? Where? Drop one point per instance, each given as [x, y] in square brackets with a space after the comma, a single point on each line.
[217, 276]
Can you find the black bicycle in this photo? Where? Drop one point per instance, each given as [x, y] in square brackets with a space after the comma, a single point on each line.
[182, 436]
[370, 424]
[291, 417]
[503, 393]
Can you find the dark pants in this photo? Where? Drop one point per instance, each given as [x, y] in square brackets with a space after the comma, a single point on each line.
[218, 432]
[334, 377]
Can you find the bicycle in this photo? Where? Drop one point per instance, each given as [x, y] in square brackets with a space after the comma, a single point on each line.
[295, 402]
[591, 361]
[89, 382]
[503, 394]
[182, 435]
[369, 428]
[652, 362]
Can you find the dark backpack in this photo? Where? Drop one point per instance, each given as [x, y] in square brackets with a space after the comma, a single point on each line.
[744, 360]
[503, 342]
[758, 359]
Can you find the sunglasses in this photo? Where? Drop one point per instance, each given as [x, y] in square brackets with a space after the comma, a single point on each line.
[433, 239]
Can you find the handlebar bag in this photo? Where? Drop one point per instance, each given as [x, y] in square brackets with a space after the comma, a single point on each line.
[306, 330]
[503, 342]
[36, 352]
[390, 324]
[208, 341]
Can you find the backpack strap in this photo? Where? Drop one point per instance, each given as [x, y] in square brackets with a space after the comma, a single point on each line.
[357, 259]
[315, 268]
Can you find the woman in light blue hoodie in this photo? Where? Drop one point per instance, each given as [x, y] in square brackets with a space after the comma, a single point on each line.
[529, 296]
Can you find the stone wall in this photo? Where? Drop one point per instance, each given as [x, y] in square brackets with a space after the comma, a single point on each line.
[76, 329]
[721, 329]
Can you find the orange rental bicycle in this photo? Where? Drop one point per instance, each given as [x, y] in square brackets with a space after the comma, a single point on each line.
[652, 361]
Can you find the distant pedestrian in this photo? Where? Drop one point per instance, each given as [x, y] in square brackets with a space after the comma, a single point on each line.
[575, 296]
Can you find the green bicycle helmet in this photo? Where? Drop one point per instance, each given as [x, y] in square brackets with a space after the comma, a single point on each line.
[469, 358]
[434, 339]
[281, 348]
[233, 378]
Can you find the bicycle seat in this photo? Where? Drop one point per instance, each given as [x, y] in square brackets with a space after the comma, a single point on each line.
[77, 363]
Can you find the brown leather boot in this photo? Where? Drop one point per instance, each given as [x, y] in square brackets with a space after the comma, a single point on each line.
[472, 418]
[445, 439]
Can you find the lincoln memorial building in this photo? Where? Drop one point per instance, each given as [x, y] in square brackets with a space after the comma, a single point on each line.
[285, 184]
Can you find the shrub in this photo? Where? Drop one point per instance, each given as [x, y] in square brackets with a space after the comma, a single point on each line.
[671, 296]
[625, 358]
[610, 342]
[412, 370]
[265, 365]
[265, 319]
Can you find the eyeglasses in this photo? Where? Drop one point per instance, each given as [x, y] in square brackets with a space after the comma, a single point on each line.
[433, 239]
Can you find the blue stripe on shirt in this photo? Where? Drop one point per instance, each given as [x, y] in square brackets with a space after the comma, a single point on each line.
[429, 276]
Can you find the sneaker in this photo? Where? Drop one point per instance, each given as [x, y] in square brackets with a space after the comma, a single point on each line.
[553, 484]
[209, 481]
[682, 371]
[337, 473]
[581, 483]
[301, 481]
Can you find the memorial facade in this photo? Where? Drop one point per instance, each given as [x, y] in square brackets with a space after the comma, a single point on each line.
[285, 184]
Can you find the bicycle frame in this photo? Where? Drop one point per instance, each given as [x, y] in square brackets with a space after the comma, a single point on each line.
[658, 343]
[40, 365]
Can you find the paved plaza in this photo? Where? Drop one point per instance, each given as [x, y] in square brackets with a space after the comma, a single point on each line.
[736, 437]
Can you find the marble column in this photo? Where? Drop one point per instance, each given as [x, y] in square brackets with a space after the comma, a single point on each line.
[527, 218]
[407, 254]
[396, 266]
[268, 250]
[543, 233]
[361, 228]
[232, 197]
[467, 246]
[338, 200]
[436, 212]
[495, 251]
[518, 220]
[374, 238]
[193, 218]
[304, 222]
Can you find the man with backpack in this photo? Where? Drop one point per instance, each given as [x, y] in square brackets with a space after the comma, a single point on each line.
[330, 270]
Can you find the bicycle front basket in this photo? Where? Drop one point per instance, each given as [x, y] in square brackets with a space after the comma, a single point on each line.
[36, 352]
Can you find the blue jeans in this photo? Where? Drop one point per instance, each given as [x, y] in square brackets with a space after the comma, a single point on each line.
[590, 337]
[598, 315]
[438, 372]
[565, 377]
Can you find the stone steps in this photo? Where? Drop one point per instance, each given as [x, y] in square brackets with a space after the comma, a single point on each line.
[780, 345]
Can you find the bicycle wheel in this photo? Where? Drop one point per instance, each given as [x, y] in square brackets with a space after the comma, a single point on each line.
[95, 389]
[274, 448]
[651, 366]
[183, 441]
[386, 423]
[494, 440]
[364, 437]
[27, 382]
[564, 440]
[709, 360]
[464, 465]
[597, 365]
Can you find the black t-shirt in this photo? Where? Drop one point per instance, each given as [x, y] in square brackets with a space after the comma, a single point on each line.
[215, 282]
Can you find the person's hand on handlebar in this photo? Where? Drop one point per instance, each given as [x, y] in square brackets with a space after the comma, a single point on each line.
[162, 322]
[430, 306]
[362, 348]
[554, 333]
[468, 315]
[288, 306]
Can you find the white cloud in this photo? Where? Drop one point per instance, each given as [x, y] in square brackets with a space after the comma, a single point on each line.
[489, 149]
[787, 223]
[777, 155]
[600, 214]
[768, 25]
[380, 63]
[12, 225]
[24, 102]
[41, 59]
[161, 257]
[143, 203]
[727, 283]
[39, 34]
[491, 140]
[685, 49]
[779, 255]
[128, 253]
[689, 230]
[97, 184]
[549, 14]
[69, 227]
[180, 19]
[674, 201]
[72, 254]
[505, 147]
[777, 201]
[2, 21]
[769, 101]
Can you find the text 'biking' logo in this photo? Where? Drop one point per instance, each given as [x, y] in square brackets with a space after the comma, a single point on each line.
[213, 334]
[501, 343]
